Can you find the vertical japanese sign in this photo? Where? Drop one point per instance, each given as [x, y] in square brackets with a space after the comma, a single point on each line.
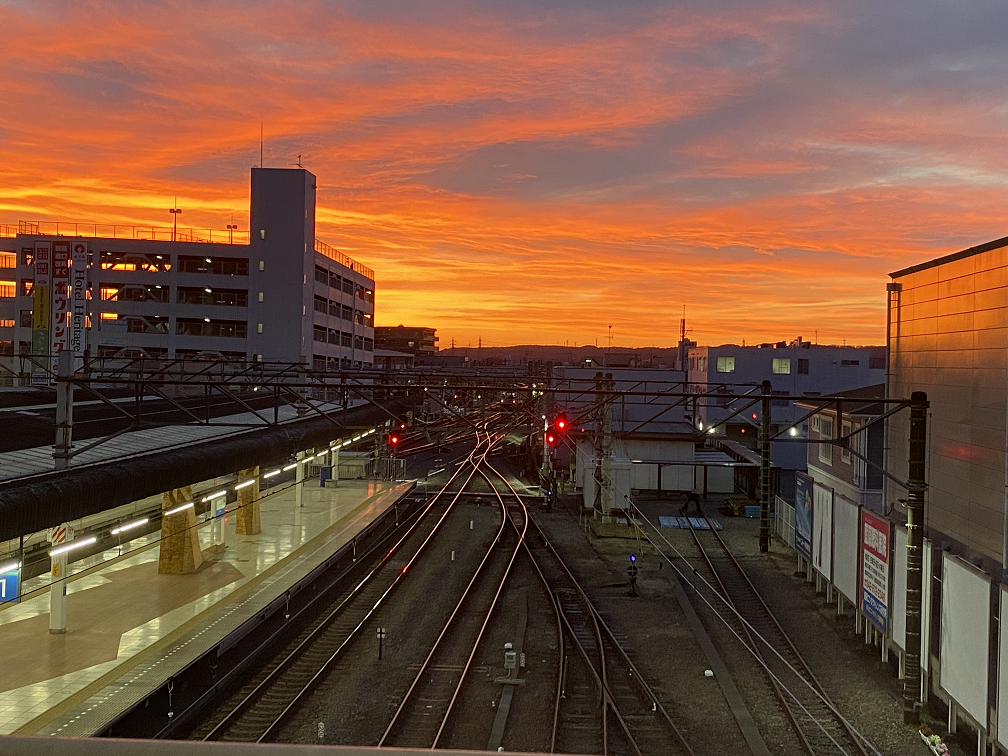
[60, 337]
[78, 302]
[803, 515]
[875, 533]
[40, 313]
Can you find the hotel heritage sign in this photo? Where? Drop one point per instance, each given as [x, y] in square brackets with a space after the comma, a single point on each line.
[78, 302]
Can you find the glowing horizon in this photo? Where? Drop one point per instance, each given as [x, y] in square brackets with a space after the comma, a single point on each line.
[530, 173]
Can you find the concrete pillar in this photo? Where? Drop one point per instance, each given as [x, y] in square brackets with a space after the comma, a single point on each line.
[247, 513]
[57, 587]
[180, 548]
[299, 480]
[335, 466]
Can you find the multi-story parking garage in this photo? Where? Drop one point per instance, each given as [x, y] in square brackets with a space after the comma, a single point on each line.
[284, 295]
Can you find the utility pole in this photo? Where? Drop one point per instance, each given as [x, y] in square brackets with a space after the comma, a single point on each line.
[915, 553]
[64, 410]
[764, 474]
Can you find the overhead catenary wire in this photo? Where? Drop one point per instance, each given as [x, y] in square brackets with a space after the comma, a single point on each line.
[749, 626]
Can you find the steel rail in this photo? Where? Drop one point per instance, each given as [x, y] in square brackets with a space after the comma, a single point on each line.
[271, 679]
[400, 717]
[789, 703]
[621, 657]
[507, 571]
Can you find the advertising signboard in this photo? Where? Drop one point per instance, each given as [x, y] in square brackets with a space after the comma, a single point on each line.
[803, 515]
[40, 312]
[78, 302]
[875, 533]
[9, 585]
[822, 533]
[59, 336]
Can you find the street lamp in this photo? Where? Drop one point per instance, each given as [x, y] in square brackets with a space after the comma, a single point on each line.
[232, 227]
[176, 212]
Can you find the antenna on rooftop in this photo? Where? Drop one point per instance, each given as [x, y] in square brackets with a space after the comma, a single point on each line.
[261, 145]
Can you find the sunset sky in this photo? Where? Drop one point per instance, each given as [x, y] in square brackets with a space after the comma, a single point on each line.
[532, 172]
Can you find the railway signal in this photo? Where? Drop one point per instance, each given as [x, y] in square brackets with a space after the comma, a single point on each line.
[631, 572]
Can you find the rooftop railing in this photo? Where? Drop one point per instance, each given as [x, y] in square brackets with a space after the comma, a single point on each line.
[334, 254]
[116, 231]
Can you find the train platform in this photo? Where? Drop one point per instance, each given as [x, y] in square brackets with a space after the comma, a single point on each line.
[129, 628]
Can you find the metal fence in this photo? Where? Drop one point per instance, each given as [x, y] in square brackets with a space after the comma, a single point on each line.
[784, 521]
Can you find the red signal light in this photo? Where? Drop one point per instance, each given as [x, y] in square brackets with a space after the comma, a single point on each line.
[561, 423]
[394, 440]
[753, 415]
[550, 439]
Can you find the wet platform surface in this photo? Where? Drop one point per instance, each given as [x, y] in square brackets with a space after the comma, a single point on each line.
[130, 628]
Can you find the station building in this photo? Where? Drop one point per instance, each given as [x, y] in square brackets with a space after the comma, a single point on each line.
[948, 337]
[798, 368]
[285, 295]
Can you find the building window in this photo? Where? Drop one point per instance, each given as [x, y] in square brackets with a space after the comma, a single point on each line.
[8, 259]
[335, 281]
[850, 363]
[27, 287]
[4, 323]
[26, 318]
[321, 275]
[7, 348]
[347, 286]
[8, 289]
[368, 320]
[358, 342]
[826, 431]
[802, 366]
[358, 317]
[118, 292]
[28, 255]
[781, 366]
[259, 330]
[726, 364]
[200, 295]
[369, 296]
[334, 309]
[132, 261]
[845, 455]
[319, 334]
[346, 339]
[347, 312]
[235, 329]
[780, 402]
[321, 305]
[334, 336]
[368, 345]
[260, 296]
[221, 266]
[146, 323]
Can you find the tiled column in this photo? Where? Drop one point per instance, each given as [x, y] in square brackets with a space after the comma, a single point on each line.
[247, 514]
[180, 547]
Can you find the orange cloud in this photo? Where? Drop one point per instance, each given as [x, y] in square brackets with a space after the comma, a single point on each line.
[536, 173]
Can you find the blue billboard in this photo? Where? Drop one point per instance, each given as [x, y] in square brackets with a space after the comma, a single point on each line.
[803, 515]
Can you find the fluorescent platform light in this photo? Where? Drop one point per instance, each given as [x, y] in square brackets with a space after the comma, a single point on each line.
[246, 484]
[213, 496]
[271, 474]
[291, 466]
[178, 509]
[128, 526]
[73, 545]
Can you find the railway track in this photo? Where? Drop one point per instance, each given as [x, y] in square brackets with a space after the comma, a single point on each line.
[422, 718]
[603, 703]
[274, 699]
[813, 717]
